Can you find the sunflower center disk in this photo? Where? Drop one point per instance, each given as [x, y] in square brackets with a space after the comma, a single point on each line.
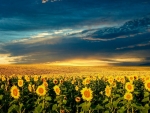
[20, 83]
[57, 90]
[87, 94]
[131, 78]
[148, 85]
[128, 96]
[107, 91]
[41, 90]
[129, 87]
[15, 92]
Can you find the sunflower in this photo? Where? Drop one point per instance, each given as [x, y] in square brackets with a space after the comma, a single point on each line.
[114, 84]
[72, 82]
[86, 81]
[147, 78]
[27, 78]
[128, 96]
[122, 80]
[110, 81]
[136, 77]
[41, 91]
[56, 89]
[35, 78]
[118, 78]
[33, 87]
[100, 77]
[15, 92]
[61, 81]
[77, 99]
[129, 87]
[20, 83]
[45, 84]
[19, 76]
[62, 111]
[55, 81]
[147, 85]
[44, 78]
[3, 78]
[108, 91]
[143, 78]
[87, 94]
[30, 87]
[76, 88]
[130, 78]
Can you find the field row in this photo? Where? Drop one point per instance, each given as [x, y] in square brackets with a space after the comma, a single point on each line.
[98, 93]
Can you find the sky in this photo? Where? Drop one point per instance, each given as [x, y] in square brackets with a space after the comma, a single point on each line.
[75, 32]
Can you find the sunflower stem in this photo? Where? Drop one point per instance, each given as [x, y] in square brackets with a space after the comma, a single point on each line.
[128, 110]
[77, 109]
[132, 110]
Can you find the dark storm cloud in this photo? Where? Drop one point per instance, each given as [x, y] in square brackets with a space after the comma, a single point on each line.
[33, 15]
[134, 34]
[129, 29]
[109, 30]
[59, 49]
[148, 58]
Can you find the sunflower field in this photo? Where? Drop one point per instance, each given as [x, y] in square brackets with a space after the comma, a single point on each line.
[105, 92]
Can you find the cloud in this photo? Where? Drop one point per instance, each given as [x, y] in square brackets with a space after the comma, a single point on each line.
[71, 35]
[34, 15]
[6, 59]
[41, 35]
[70, 49]
[129, 29]
[44, 1]
[137, 45]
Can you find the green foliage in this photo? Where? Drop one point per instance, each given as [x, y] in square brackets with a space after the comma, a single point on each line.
[29, 101]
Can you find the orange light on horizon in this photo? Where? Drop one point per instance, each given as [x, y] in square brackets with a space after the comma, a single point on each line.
[81, 62]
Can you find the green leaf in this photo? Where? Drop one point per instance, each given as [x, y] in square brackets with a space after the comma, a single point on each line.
[85, 106]
[48, 98]
[115, 103]
[13, 107]
[37, 101]
[54, 107]
[145, 99]
[98, 107]
[20, 106]
[116, 95]
[64, 101]
[58, 98]
[136, 92]
[137, 107]
[81, 105]
[106, 100]
[146, 106]
[1, 97]
[2, 86]
[108, 105]
[146, 94]
[121, 110]
[12, 102]
[144, 111]
[106, 112]
[38, 109]
[123, 102]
